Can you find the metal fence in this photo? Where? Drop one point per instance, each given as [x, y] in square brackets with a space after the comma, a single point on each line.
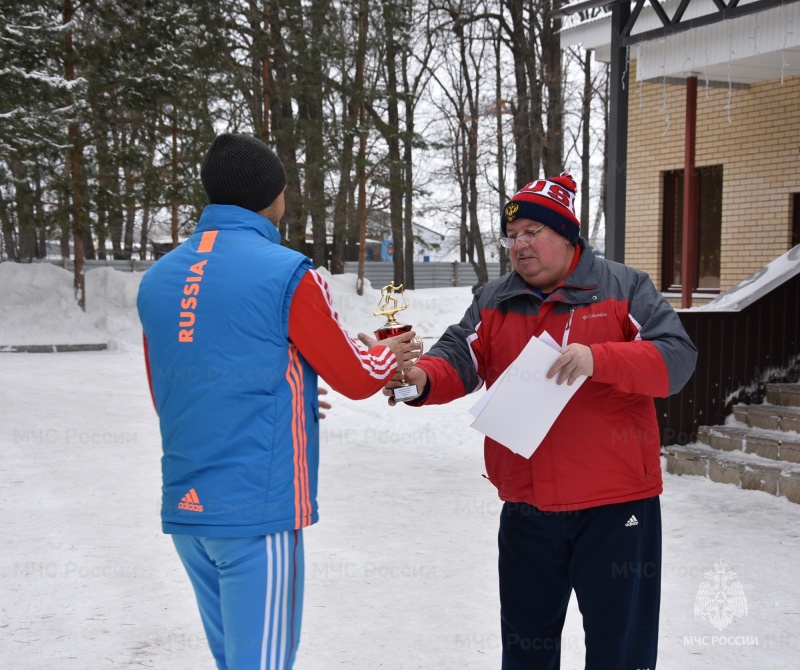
[132, 265]
[426, 275]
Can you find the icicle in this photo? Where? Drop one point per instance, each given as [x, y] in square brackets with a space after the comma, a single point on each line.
[664, 87]
[705, 66]
[639, 48]
[627, 63]
[787, 22]
[756, 28]
[688, 58]
[730, 83]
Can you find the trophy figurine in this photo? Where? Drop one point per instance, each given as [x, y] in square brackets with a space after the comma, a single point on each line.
[388, 307]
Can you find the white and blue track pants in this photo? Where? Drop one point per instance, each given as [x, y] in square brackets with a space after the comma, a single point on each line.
[250, 594]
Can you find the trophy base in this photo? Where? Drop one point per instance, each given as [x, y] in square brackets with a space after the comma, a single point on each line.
[390, 331]
[406, 393]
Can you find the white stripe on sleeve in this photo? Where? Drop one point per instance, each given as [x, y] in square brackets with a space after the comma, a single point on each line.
[378, 366]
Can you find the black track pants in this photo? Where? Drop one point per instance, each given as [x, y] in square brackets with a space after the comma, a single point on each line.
[610, 556]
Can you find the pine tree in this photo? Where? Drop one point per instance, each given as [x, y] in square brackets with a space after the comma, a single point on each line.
[36, 106]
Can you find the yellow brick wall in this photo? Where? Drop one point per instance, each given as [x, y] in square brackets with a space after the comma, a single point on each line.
[759, 150]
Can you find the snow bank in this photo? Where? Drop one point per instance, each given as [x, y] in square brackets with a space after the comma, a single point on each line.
[37, 306]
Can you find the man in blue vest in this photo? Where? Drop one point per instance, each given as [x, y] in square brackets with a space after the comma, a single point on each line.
[236, 330]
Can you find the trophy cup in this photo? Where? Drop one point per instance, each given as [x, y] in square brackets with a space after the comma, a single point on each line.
[388, 307]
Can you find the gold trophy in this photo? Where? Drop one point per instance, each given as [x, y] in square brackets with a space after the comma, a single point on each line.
[388, 307]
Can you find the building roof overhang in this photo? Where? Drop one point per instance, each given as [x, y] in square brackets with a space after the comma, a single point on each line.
[740, 43]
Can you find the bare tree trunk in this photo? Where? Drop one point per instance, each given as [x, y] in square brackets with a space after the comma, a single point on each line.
[109, 215]
[553, 148]
[411, 89]
[78, 186]
[174, 180]
[353, 232]
[41, 247]
[89, 252]
[145, 232]
[586, 114]
[361, 162]
[408, 186]
[602, 206]
[341, 212]
[392, 137]
[8, 232]
[293, 223]
[64, 227]
[523, 133]
[257, 21]
[266, 81]
[311, 109]
[126, 199]
[23, 198]
[470, 125]
[459, 162]
[39, 215]
[502, 196]
[537, 130]
[144, 237]
[101, 222]
[130, 213]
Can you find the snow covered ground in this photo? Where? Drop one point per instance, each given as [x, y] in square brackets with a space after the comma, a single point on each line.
[400, 570]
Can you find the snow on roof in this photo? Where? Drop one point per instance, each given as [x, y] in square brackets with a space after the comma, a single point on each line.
[747, 291]
[576, 20]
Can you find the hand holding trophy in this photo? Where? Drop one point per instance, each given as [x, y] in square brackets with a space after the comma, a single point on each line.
[388, 307]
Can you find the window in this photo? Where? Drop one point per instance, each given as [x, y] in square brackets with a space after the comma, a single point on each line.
[709, 229]
[795, 220]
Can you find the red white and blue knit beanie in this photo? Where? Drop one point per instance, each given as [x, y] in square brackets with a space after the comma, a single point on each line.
[241, 170]
[549, 201]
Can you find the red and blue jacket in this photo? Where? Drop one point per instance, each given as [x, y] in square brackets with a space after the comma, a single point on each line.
[236, 330]
[604, 447]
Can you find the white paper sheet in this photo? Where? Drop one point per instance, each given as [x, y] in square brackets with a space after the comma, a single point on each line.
[522, 405]
[477, 408]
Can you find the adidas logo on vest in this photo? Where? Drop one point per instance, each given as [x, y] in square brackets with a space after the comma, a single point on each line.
[191, 502]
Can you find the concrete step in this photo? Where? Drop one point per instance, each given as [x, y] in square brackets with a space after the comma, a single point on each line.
[774, 445]
[787, 395]
[769, 417]
[758, 448]
[745, 470]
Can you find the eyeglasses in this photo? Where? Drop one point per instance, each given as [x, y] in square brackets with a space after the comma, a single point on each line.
[525, 238]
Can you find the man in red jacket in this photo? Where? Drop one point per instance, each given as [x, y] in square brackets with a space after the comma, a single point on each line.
[582, 513]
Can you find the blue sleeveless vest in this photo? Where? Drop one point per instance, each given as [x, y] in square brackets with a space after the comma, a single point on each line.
[237, 404]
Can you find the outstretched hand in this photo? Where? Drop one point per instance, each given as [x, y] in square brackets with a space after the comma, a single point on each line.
[402, 346]
[407, 352]
[413, 375]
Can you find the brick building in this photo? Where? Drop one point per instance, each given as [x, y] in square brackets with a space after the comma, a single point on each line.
[739, 69]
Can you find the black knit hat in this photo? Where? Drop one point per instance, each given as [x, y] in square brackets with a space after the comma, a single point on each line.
[242, 170]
